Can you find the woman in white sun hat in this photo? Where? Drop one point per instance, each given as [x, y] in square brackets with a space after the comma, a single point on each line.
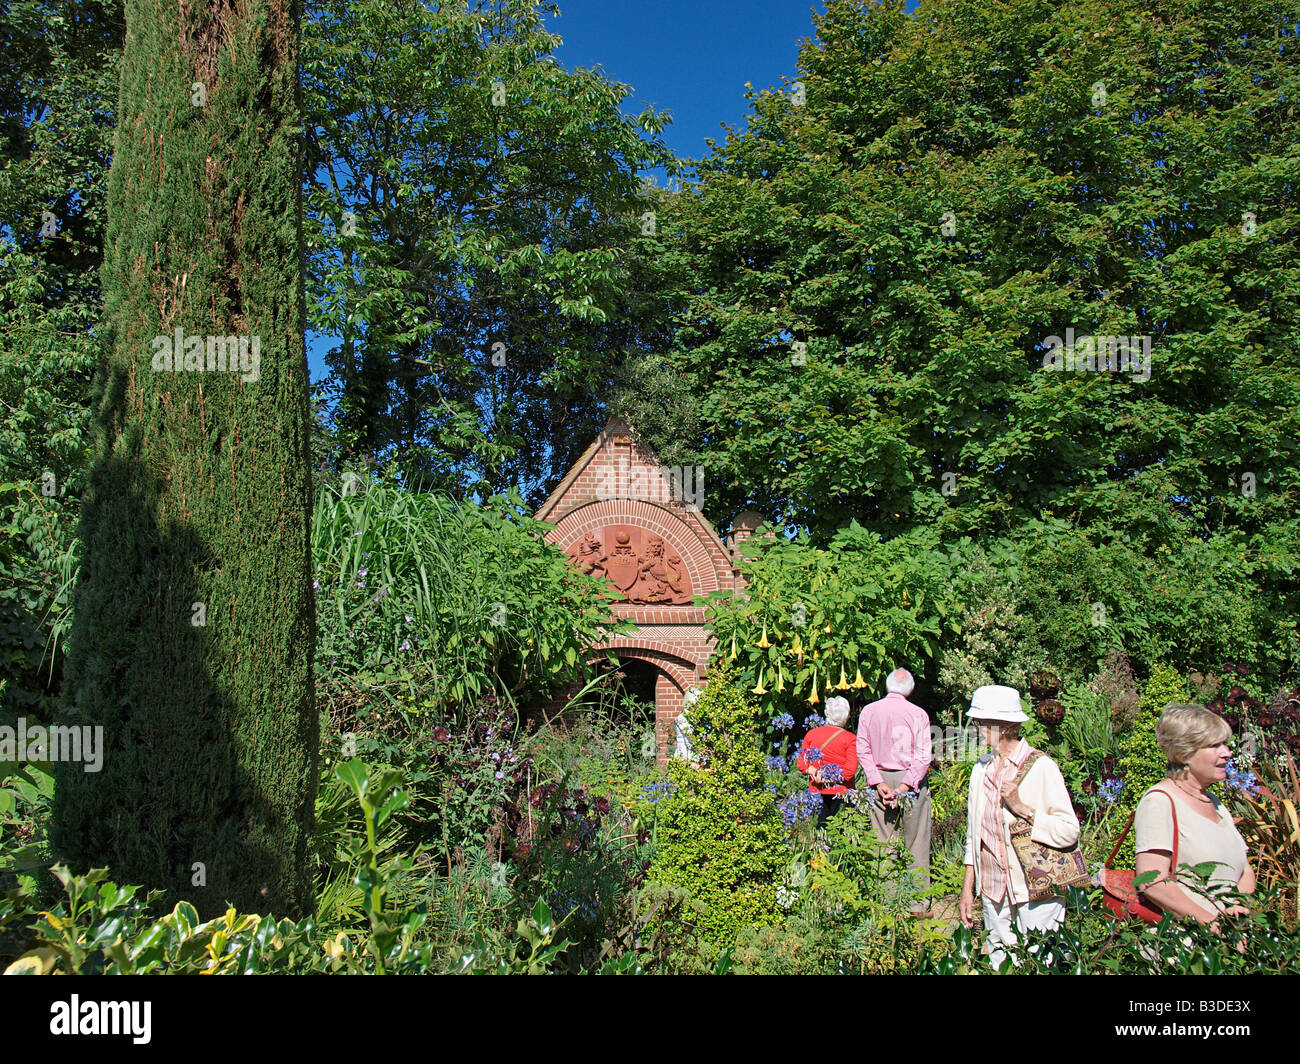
[993, 871]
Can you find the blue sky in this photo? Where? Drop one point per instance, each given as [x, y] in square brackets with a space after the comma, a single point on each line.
[692, 58]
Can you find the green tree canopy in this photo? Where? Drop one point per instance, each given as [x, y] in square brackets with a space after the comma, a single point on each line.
[935, 196]
[474, 219]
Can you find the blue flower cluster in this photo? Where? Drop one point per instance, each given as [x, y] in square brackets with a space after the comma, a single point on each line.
[814, 720]
[1240, 780]
[656, 792]
[799, 806]
[832, 775]
[777, 764]
[1110, 791]
[814, 755]
[784, 722]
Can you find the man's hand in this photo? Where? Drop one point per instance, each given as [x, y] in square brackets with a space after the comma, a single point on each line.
[966, 906]
[886, 793]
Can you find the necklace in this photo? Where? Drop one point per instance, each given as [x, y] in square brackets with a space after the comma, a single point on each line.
[1192, 794]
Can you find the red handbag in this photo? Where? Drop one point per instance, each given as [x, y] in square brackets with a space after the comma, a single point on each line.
[1122, 899]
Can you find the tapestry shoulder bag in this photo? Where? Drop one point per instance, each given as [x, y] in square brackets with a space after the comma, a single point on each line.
[1048, 870]
[1122, 899]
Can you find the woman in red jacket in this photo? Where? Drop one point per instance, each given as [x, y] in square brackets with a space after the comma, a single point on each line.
[829, 757]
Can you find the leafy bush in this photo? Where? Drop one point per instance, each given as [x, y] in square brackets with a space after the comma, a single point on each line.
[718, 835]
[1142, 764]
[445, 602]
[797, 946]
[25, 797]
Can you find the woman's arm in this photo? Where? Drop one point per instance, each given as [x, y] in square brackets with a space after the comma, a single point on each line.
[1165, 892]
[1246, 884]
[966, 903]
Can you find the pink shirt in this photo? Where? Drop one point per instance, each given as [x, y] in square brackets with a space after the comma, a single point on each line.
[894, 734]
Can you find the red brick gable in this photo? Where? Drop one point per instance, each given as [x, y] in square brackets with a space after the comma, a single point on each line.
[617, 486]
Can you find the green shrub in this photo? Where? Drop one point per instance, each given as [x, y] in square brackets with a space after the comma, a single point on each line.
[718, 834]
[424, 599]
[798, 946]
[1142, 764]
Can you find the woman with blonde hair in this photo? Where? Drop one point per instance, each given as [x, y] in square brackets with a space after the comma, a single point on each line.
[1195, 742]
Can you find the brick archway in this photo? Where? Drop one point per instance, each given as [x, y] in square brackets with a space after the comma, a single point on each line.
[615, 513]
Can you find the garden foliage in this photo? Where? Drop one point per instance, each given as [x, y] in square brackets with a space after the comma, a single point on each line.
[718, 836]
[1142, 764]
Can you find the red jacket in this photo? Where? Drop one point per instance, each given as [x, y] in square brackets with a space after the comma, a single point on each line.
[838, 747]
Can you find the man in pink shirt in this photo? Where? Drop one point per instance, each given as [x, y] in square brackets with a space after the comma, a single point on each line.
[895, 753]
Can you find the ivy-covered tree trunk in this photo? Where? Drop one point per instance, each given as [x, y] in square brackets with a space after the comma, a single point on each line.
[194, 631]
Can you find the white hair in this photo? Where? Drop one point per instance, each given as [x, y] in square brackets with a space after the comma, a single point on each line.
[900, 682]
[837, 711]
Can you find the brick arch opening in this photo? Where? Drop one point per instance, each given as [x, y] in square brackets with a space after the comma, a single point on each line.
[676, 675]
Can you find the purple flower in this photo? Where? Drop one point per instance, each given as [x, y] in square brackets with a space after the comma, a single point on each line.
[1241, 780]
[1110, 791]
[832, 775]
[776, 764]
[799, 806]
[814, 720]
[783, 722]
[813, 755]
[406, 645]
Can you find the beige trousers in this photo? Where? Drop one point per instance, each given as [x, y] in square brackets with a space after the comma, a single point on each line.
[913, 822]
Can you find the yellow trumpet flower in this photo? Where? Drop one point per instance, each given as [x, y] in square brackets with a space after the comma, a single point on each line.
[843, 685]
[733, 647]
[814, 699]
[760, 689]
[780, 679]
[763, 643]
[858, 681]
[797, 647]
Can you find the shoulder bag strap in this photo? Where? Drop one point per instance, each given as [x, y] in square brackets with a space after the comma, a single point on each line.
[1173, 859]
[1034, 755]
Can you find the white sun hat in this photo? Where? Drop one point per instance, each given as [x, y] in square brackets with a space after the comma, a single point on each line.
[995, 702]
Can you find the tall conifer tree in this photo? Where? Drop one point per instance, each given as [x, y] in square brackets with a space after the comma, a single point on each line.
[195, 629]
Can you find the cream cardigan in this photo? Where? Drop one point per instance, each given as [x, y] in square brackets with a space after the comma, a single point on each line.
[1054, 823]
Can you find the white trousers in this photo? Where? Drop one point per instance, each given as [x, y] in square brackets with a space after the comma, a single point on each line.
[1003, 919]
